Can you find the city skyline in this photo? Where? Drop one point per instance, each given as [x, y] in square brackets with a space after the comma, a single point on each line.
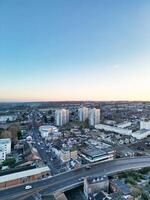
[79, 50]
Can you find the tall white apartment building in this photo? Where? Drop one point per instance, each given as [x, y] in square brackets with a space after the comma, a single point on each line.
[5, 148]
[94, 116]
[61, 117]
[83, 114]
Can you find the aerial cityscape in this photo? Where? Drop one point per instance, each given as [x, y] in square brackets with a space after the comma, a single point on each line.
[74, 100]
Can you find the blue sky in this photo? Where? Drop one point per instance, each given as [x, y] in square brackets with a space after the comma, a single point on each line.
[74, 50]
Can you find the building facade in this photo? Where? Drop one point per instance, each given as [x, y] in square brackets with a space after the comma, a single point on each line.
[121, 131]
[94, 184]
[61, 117]
[47, 130]
[26, 176]
[94, 116]
[5, 148]
[145, 125]
[83, 114]
[66, 155]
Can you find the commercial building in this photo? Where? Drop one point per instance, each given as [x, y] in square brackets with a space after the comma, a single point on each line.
[94, 184]
[124, 124]
[48, 130]
[94, 116]
[83, 114]
[141, 134]
[26, 176]
[61, 117]
[122, 131]
[145, 125]
[5, 148]
[92, 154]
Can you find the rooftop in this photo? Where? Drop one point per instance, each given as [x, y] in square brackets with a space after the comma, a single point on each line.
[96, 179]
[5, 140]
[121, 186]
[93, 152]
[26, 173]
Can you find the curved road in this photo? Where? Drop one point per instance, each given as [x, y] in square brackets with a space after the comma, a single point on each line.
[65, 180]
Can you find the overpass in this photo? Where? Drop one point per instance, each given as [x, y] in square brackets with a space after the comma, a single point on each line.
[67, 180]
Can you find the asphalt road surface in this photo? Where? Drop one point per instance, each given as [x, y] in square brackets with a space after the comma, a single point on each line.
[65, 180]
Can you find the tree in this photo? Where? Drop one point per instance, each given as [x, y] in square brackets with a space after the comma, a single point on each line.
[11, 132]
[9, 162]
[45, 119]
[144, 196]
[52, 119]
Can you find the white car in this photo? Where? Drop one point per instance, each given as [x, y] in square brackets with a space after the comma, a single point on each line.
[28, 187]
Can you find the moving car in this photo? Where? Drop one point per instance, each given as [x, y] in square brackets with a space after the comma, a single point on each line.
[28, 187]
[88, 167]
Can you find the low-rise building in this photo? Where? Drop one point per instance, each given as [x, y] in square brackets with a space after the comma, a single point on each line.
[5, 148]
[5, 118]
[94, 184]
[92, 154]
[23, 177]
[124, 124]
[122, 131]
[2, 155]
[141, 134]
[118, 186]
[48, 130]
[145, 125]
[67, 154]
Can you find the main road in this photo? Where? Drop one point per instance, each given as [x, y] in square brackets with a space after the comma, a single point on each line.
[65, 180]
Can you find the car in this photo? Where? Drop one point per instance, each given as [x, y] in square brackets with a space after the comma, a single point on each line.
[28, 187]
[81, 179]
[88, 167]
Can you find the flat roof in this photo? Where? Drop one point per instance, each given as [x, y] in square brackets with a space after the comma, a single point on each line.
[23, 174]
[5, 140]
[93, 152]
[141, 131]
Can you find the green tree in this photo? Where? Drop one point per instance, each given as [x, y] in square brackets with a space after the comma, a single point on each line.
[144, 196]
[9, 162]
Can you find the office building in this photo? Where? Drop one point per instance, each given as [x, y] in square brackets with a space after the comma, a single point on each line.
[94, 116]
[83, 114]
[61, 117]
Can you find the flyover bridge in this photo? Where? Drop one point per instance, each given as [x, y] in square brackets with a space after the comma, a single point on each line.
[67, 180]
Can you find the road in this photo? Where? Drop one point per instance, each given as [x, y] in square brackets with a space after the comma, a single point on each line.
[65, 180]
[41, 148]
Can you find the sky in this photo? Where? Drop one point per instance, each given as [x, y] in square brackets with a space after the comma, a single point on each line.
[74, 50]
